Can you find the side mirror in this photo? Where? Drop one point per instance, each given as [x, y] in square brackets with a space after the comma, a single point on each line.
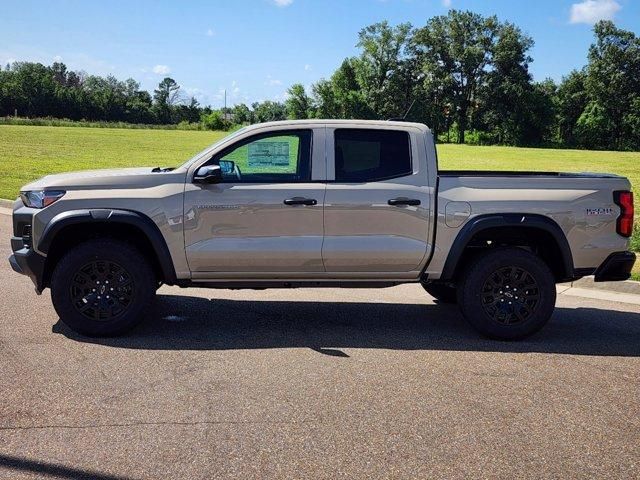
[227, 166]
[208, 174]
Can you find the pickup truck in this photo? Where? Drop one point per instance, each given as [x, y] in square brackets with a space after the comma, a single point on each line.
[320, 203]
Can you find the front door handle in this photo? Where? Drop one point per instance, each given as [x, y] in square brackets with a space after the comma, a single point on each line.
[404, 201]
[300, 201]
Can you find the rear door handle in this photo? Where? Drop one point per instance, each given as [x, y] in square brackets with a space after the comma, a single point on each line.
[300, 201]
[404, 201]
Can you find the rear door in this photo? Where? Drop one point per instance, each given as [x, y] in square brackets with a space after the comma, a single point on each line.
[265, 216]
[377, 208]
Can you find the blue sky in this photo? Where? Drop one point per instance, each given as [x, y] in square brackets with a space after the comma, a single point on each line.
[255, 49]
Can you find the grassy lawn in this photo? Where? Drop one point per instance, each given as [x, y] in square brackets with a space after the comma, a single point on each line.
[461, 157]
[28, 152]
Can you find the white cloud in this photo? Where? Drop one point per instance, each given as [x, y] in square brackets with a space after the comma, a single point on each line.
[282, 3]
[446, 3]
[272, 81]
[307, 67]
[57, 58]
[210, 32]
[590, 11]
[161, 70]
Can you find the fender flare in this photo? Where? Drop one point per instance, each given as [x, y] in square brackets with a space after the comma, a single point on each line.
[107, 215]
[515, 220]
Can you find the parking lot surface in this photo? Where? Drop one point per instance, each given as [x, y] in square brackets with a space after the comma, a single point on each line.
[315, 384]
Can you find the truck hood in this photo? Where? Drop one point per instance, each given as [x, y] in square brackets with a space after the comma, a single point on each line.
[142, 177]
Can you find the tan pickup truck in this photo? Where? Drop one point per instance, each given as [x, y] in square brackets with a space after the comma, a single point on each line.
[320, 203]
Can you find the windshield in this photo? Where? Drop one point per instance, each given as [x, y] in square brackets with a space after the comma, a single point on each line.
[204, 152]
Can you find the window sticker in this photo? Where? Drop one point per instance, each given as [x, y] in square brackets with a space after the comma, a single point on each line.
[267, 154]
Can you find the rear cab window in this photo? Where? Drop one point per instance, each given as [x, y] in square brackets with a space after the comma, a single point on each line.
[370, 155]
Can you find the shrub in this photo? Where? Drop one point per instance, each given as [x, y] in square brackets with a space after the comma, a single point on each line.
[186, 125]
[65, 122]
[635, 238]
[477, 137]
[213, 120]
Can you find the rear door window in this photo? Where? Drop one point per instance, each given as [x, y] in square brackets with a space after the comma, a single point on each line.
[368, 155]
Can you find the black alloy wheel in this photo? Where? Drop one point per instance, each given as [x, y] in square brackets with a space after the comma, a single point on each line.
[510, 295]
[102, 290]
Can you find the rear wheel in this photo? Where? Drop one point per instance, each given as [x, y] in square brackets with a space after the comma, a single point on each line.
[102, 287]
[442, 293]
[507, 294]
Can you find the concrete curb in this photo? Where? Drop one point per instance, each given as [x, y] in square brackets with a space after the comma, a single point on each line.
[6, 203]
[628, 286]
[600, 294]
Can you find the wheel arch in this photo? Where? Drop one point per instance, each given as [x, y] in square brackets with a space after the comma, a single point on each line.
[516, 229]
[75, 226]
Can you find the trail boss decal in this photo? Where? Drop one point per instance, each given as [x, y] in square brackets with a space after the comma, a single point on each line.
[599, 211]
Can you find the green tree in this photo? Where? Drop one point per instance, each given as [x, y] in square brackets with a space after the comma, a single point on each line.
[213, 120]
[298, 104]
[325, 99]
[350, 97]
[379, 70]
[164, 97]
[342, 96]
[242, 114]
[269, 111]
[187, 112]
[33, 89]
[510, 108]
[454, 52]
[613, 87]
[593, 127]
[571, 100]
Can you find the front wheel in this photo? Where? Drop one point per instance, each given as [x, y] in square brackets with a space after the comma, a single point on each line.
[102, 287]
[507, 294]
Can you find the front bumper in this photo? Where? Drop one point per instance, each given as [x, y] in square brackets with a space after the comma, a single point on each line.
[30, 263]
[616, 267]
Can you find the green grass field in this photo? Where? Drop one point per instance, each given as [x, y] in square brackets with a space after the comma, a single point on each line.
[29, 152]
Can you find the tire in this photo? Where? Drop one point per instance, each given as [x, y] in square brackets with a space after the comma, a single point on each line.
[442, 293]
[102, 287]
[507, 294]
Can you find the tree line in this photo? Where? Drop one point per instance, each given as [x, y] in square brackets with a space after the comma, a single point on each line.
[463, 74]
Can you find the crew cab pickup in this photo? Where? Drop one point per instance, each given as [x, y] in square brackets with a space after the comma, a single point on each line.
[320, 203]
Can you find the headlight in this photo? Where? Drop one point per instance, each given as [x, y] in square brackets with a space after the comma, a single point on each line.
[41, 198]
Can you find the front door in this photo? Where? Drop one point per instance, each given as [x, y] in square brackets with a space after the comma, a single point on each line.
[266, 214]
[377, 209]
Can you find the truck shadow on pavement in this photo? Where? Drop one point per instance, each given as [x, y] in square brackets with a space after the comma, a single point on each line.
[195, 323]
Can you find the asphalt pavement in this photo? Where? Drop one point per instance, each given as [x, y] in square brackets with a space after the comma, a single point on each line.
[327, 383]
